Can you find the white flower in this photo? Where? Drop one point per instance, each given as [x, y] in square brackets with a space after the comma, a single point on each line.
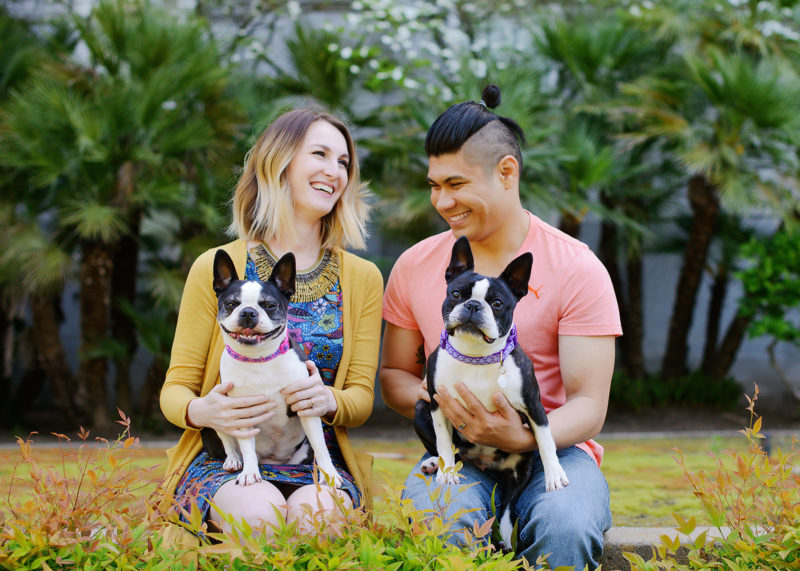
[397, 74]
[294, 9]
[354, 69]
[409, 83]
[333, 47]
[346, 52]
[169, 105]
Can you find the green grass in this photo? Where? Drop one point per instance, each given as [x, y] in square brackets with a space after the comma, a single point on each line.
[647, 483]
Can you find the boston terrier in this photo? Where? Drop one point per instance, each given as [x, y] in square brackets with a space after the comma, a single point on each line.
[479, 348]
[260, 359]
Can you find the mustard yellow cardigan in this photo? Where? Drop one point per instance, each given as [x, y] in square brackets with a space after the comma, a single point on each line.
[197, 348]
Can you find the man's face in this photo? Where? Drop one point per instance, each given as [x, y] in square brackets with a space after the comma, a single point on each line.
[468, 195]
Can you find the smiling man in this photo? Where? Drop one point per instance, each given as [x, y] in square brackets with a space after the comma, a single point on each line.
[566, 325]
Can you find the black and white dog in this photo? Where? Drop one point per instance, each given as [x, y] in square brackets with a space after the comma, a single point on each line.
[479, 348]
[260, 359]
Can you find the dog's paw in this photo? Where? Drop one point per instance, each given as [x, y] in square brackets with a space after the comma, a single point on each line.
[232, 464]
[331, 478]
[430, 466]
[246, 478]
[556, 480]
[447, 477]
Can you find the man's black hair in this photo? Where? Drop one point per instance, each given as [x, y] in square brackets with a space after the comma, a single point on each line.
[461, 121]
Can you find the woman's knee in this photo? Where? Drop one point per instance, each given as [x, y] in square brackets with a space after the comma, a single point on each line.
[258, 504]
[313, 505]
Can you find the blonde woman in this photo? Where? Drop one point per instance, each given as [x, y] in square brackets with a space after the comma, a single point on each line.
[299, 192]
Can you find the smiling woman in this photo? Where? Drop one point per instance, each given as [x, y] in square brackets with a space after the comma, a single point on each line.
[299, 192]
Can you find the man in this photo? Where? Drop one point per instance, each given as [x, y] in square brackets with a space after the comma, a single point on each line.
[566, 325]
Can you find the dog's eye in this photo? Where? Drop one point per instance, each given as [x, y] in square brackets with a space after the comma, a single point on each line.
[456, 294]
[268, 305]
[497, 304]
[231, 303]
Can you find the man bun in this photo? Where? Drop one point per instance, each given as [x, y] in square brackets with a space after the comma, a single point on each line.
[491, 96]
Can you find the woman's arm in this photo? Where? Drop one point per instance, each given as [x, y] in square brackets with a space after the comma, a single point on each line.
[355, 399]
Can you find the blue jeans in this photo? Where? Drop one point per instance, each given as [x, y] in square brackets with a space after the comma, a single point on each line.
[567, 524]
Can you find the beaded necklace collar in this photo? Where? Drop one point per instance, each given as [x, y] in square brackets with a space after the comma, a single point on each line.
[310, 285]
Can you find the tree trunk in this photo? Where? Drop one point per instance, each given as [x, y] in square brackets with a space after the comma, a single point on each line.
[124, 272]
[705, 207]
[95, 304]
[570, 225]
[729, 347]
[635, 324]
[52, 357]
[719, 291]
[123, 328]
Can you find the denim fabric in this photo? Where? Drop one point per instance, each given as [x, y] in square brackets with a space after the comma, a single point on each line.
[568, 524]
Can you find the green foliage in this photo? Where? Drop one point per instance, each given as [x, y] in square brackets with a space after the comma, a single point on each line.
[696, 388]
[754, 504]
[771, 285]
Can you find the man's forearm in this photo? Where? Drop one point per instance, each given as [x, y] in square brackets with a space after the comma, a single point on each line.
[399, 390]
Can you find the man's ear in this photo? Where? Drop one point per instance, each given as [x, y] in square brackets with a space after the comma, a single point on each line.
[508, 169]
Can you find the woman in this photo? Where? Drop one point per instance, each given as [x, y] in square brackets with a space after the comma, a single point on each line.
[299, 192]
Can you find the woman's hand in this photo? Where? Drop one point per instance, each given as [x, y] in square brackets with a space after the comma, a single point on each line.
[310, 396]
[236, 416]
[501, 429]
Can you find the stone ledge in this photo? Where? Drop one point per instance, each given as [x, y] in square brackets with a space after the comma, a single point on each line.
[640, 540]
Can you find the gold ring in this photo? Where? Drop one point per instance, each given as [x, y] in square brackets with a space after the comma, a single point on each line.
[310, 403]
[462, 426]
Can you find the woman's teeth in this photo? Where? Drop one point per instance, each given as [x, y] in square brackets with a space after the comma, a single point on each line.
[323, 187]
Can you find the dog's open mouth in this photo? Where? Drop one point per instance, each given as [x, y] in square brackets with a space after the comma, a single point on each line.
[249, 336]
[471, 329]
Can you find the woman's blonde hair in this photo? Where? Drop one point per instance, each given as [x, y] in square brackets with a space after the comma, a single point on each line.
[262, 201]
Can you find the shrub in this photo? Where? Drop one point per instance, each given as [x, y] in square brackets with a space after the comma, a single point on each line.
[753, 501]
[98, 509]
[95, 517]
[695, 388]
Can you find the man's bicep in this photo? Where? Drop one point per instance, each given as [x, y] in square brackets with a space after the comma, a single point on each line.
[403, 349]
[587, 364]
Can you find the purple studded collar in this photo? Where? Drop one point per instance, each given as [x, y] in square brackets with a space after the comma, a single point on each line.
[281, 350]
[498, 357]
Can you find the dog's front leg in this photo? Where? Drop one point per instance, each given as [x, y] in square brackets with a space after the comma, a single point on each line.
[444, 446]
[312, 426]
[250, 472]
[554, 475]
[233, 461]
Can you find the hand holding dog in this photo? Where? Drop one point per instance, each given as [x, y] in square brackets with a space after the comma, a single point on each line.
[501, 429]
[310, 396]
[236, 416]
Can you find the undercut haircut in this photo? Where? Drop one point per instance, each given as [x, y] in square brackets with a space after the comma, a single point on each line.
[491, 136]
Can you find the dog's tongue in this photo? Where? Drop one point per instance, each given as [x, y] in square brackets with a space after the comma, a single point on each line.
[247, 331]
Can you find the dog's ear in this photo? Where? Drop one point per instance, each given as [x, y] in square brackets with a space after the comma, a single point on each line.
[461, 261]
[224, 271]
[518, 273]
[283, 275]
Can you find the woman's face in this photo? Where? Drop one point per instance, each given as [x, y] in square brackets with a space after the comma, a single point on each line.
[317, 174]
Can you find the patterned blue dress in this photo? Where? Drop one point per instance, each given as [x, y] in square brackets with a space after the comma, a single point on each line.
[314, 321]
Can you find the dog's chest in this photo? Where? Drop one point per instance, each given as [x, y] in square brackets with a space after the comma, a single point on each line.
[482, 380]
[280, 435]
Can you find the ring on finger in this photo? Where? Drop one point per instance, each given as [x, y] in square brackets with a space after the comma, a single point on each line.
[462, 426]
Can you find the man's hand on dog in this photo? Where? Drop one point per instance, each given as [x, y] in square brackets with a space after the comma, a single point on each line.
[501, 429]
[236, 416]
[310, 396]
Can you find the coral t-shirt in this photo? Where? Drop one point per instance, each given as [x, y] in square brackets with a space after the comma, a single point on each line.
[570, 293]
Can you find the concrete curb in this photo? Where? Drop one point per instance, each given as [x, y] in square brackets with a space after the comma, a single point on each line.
[642, 540]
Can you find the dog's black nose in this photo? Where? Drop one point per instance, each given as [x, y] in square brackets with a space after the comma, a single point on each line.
[248, 317]
[473, 306]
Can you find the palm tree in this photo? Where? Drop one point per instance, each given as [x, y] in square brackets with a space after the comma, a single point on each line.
[109, 141]
[726, 111]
